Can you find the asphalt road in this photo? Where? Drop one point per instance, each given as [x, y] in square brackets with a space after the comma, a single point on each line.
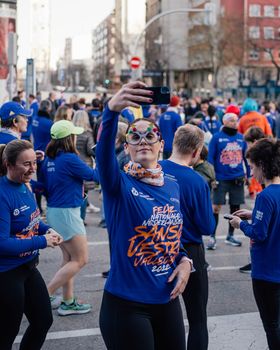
[230, 291]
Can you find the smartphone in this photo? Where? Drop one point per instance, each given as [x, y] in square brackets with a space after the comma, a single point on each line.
[228, 216]
[161, 95]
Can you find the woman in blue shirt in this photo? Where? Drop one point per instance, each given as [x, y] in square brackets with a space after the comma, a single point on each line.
[63, 174]
[140, 307]
[264, 232]
[22, 234]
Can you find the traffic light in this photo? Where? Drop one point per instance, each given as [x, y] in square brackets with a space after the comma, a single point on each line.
[107, 82]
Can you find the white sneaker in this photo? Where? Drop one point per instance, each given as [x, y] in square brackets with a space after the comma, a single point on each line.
[55, 301]
[92, 209]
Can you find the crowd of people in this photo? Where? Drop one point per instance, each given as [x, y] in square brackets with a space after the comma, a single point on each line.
[160, 169]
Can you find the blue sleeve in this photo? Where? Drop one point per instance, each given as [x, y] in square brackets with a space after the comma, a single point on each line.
[203, 209]
[38, 187]
[106, 159]
[261, 218]
[212, 151]
[178, 122]
[13, 245]
[43, 228]
[78, 168]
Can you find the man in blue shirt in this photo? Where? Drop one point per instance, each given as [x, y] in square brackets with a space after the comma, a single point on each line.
[198, 220]
[13, 121]
[169, 122]
[34, 107]
[227, 154]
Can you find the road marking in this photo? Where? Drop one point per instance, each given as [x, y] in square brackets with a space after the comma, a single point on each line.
[106, 242]
[98, 243]
[220, 320]
[211, 268]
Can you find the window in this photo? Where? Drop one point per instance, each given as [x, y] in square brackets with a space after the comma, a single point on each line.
[268, 11]
[268, 32]
[267, 56]
[255, 11]
[254, 55]
[254, 32]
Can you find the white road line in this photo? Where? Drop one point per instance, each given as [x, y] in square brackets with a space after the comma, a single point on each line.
[106, 242]
[224, 319]
[219, 268]
[98, 243]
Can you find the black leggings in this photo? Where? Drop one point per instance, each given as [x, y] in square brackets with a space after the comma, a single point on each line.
[195, 298]
[127, 325]
[23, 291]
[267, 295]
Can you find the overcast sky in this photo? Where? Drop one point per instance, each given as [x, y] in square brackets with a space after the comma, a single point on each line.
[69, 18]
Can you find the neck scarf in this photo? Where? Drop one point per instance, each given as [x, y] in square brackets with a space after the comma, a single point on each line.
[229, 131]
[150, 176]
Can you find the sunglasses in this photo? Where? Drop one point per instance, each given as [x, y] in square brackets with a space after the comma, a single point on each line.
[134, 137]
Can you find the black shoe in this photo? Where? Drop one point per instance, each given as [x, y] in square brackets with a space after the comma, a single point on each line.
[105, 274]
[102, 224]
[246, 269]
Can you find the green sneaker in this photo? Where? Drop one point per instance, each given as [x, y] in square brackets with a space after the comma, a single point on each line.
[73, 309]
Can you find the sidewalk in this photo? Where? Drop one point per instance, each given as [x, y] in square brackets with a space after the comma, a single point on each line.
[236, 332]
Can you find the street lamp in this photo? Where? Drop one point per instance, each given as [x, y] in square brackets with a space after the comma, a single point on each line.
[209, 9]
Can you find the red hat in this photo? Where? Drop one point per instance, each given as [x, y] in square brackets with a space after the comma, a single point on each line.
[233, 109]
[174, 101]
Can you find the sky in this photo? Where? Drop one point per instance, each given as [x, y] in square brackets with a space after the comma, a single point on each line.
[69, 18]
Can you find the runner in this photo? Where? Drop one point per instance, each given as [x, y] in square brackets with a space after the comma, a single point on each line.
[264, 159]
[196, 207]
[63, 173]
[23, 290]
[140, 307]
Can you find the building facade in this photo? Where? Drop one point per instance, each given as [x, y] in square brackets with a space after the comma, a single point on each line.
[103, 51]
[166, 41]
[238, 52]
[8, 87]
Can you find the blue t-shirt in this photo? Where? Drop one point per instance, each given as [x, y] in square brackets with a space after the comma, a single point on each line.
[63, 179]
[265, 235]
[41, 129]
[6, 137]
[169, 122]
[34, 107]
[20, 224]
[227, 154]
[144, 225]
[195, 201]
[213, 125]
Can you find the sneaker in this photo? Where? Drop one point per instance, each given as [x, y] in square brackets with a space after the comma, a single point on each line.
[246, 269]
[232, 241]
[92, 209]
[55, 301]
[102, 224]
[105, 274]
[73, 308]
[211, 245]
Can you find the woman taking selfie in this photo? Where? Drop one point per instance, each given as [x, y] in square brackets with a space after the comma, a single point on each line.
[264, 232]
[23, 290]
[140, 307]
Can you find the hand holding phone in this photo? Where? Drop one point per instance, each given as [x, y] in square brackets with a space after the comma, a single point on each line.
[161, 95]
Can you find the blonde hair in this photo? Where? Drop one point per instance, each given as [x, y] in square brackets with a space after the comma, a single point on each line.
[81, 119]
[61, 113]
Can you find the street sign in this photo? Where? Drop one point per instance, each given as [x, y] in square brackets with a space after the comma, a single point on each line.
[135, 62]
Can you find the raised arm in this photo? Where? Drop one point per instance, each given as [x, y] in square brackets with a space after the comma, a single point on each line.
[107, 163]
